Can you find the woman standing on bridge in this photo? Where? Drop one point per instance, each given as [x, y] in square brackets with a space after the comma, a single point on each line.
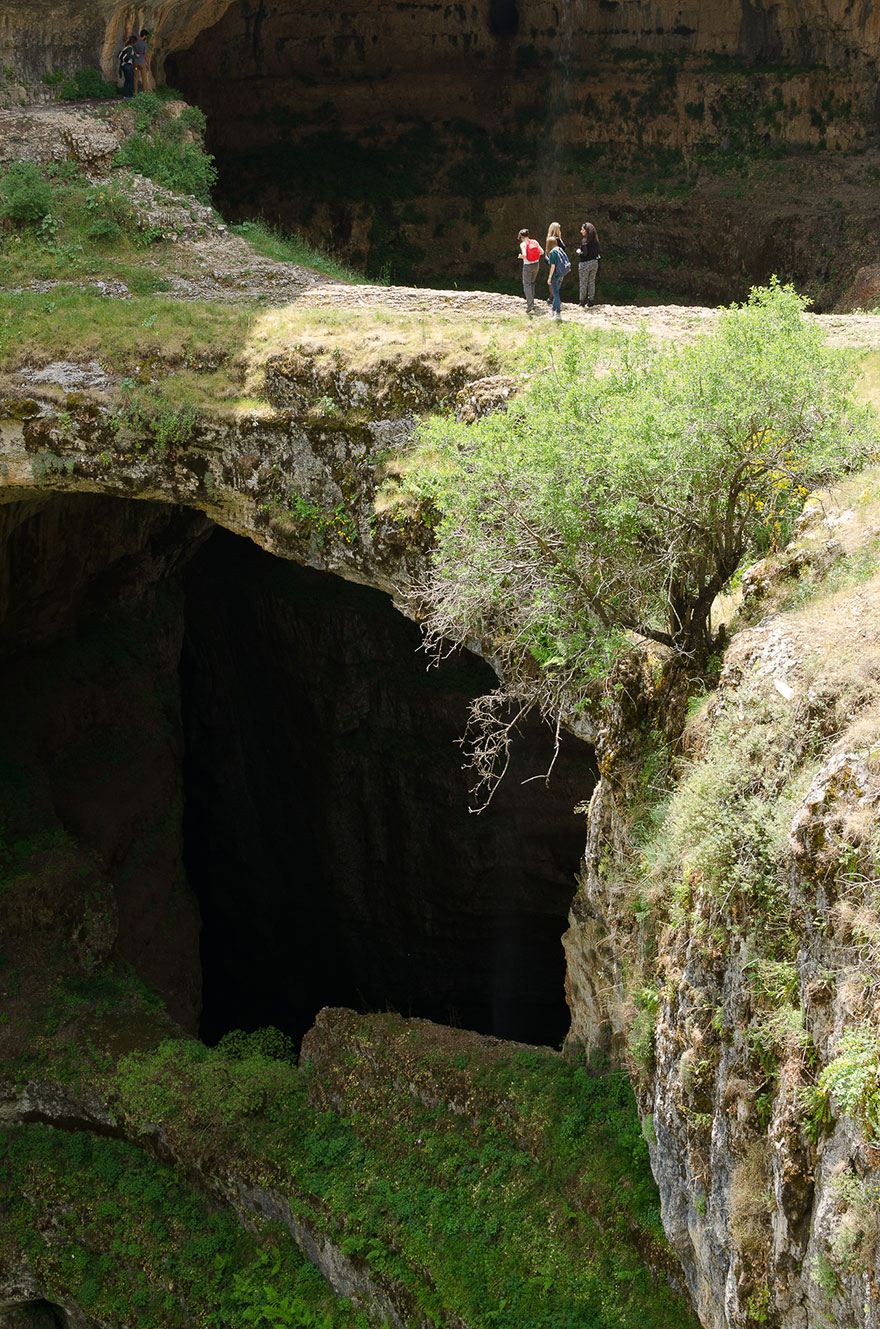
[530, 253]
[588, 264]
[559, 266]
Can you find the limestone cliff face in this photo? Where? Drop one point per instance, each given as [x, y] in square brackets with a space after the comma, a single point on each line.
[296, 484]
[72, 34]
[419, 33]
[734, 964]
[417, 138]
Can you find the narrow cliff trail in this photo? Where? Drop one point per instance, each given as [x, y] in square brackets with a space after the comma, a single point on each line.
[222, 266]
[201, 259]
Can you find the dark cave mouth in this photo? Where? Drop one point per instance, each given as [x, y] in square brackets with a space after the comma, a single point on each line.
[269, 776]
[334, 859]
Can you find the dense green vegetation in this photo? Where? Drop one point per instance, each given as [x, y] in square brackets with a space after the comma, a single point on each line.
[616, 497]
[102, 1224]
[168, 149]
[534, 1210]
[85, 84]
[59, 223]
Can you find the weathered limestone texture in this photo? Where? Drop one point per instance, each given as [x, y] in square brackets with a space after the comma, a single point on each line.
[441, 114]
[302, 489]
[71, 34]
[826, 31]
[729, 1006]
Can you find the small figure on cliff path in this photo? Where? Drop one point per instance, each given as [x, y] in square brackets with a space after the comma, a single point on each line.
[530, 253]
[588, 264]
[560, 264]
[141, 62]
[126, 66]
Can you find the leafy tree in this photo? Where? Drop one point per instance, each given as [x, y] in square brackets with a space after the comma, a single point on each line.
[619, 493]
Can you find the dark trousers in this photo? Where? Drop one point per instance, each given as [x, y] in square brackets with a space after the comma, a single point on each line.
[128, 80]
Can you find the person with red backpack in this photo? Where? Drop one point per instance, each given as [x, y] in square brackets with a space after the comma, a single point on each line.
[530, 253]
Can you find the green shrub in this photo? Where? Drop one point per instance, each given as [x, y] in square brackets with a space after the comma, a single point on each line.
[149, 109]
[87, 83]
[25, 193]
[853, 1078]
[194, 120]
[146, 411]
[158, 154]
[104, 230]
[618, 493]
[856, 1222]
[726, 826]
[268, 1042]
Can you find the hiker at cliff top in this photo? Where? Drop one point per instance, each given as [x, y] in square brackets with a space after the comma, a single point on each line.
[530, 253]
[588, 264]
[126, 66]
[141, 62]
[554, 237]
[560, 264]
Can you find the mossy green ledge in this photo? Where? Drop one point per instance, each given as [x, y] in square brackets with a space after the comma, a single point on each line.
[298, 474]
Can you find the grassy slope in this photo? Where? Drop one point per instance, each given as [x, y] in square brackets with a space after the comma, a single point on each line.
[101, 1223]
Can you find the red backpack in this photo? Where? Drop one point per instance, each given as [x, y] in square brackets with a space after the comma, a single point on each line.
[533, 251]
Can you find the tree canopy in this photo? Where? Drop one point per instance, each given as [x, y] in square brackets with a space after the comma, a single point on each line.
[620, 491]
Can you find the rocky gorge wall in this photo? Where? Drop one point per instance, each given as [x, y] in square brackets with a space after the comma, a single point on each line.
[733, 962]
[711, 145]
[416, 140]
[730, 965]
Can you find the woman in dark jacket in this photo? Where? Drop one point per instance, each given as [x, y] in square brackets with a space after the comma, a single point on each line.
[588, 264]
[126, 66]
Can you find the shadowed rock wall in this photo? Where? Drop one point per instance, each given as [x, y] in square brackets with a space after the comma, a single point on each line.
[328, 833]
[308, 776]
[91, 740]
[713, 145]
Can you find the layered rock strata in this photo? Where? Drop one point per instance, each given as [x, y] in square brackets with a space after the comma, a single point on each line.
[712, 146]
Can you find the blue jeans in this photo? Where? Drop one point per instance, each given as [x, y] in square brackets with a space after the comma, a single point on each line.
[555, 283]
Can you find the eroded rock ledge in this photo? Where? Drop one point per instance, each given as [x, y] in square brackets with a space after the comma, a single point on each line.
[302, 488]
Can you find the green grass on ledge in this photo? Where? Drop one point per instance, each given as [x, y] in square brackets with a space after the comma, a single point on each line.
[531, 1212]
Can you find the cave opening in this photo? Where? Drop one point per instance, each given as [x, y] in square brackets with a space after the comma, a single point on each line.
[264, 773]
[327, 833]
[34, 1315]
